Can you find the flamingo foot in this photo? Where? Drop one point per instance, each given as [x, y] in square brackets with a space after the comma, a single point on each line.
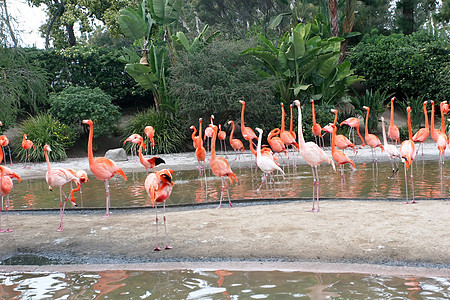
[106, 215]
[157, 249]
[231, 205]
[59, 229]
[2, 230]
[9, 230]
[168, 247]
[414, 201]
[407, 202]
[219, 206]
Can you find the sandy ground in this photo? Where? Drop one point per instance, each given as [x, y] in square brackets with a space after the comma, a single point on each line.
[374, 236]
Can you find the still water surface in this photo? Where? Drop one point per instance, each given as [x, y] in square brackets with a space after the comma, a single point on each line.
[368, 181]
[220, 284]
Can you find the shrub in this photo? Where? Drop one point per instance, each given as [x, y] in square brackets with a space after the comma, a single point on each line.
[44, 129]
[414, 65]
[169, 137]
[376, 103]
[75, 104]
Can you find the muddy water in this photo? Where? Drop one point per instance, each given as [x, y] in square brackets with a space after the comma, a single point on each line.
[370, 181]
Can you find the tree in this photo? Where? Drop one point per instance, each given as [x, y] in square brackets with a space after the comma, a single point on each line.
[6, 29]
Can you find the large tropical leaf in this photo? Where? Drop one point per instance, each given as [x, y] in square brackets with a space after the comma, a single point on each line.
[132, 24]
[165, 11]
[142, 74]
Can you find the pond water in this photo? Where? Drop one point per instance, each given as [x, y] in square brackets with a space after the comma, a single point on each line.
[369, 181]
[219, 284]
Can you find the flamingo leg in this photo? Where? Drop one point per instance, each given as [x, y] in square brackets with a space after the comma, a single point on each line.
[62, 206]
[412, 186]
[342, 174]
[262, 182]
[221, 194]
[107, 198]
[165, 227]
[157, 221]
[1, 207]
[317, 189]
[8, 229]
[406, 184]
[314, 188]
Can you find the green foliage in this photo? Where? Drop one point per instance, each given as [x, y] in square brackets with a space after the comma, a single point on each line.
[376, 101]
[199, 42]
[416, 104]
[169, 137]
[44, 129]
[75, 104]
[417, 65]
[22, 85]
[324, 116]
[214, 80]
[89, 67]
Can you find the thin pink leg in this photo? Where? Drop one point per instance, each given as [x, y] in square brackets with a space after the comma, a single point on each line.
[228, 194]
[62, 206]
[8, 229]
[314, 188]
[165, 227]
[412, 185]
[107, 198]
[221, 194]
[406, 184]
[157, 221]
[1, 207]
[317, 191]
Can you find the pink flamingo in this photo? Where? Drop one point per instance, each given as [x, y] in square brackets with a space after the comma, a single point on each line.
[135, 139]
[316, 129]
[353, 122]
[150, 133]
[4, 142]
[338, 155]
[195, 138]
[341, 141]
[6, 185]
[408, 153]
[209, 132]
[27, 144]
[222, 135]
[313, 155]
[103, 169]
[236, 144]
[220, 167]
[275, 142]
[149, 163]
[248, 133]
[82, 178]
[391, 150]
[371, 139]
[159, 186]
[423, 133]
[58, 177]
[393, 131]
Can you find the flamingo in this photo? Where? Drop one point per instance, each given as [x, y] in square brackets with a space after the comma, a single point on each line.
[353, 122]
[149, 163]
[135, 139]
[391, 150]
[195, 138]
[222, 135]
[423, 133]
[313, 155]
[340, 140]
[159, 186]
[248, 133]
[209, 132]
[82, 178]
[6, 185]
[103, 168]
[220, 167]
[27, 144]
[264, 162]
[150, 133]
[316, 129]
[236, 144]
[58, 177]
[275, 142]
[438, 135]
[393, 131]
[435, 132]
[371, 139]
[286, 136]
[291, 123]
[4, 142]
[338, 155]
[408, 153]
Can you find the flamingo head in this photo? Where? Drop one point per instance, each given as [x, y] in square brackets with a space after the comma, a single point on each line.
[165, 176]
[366, 108]
[260, 131]
[89, 122]
[312, 101]
[334, 111]
[1, 124]
[328, 128]
[242, 102]
[382, 119]
[230, 122]
[200, 119]
[47, 148]
[192, 127]
[392, 99]
[408, 109]
[282, 104]
[297, 103]
[425, 103]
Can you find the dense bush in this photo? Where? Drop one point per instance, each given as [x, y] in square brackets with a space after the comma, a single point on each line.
[214, 80]
[89, 67]
[75, 104]
[169, 137]
[44, 129]
[414, 65]
[375, 101]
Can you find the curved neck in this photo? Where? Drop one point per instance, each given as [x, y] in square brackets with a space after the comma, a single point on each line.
[232, 132]
[194, 133]
[141, 156]
[301, 140]
[90, 151]
[426, 116]
[282, 118]
[392, 112]
[313, 113]
[367, 123]
[49, 168]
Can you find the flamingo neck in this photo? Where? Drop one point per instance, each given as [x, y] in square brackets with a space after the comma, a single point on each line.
[242, 118]
[384, 132]
[442, 120]
[194, 133]
[335, 118]
[291, 122]
[426, 116]
[392, 112]
[301, 140]
[213, 145]
[232, 132]
[432, 118]
[141, 156]
[282, 118]
[252, 148]
[333, 139]
[313, 113]
[200, 131]
[367, 123]
[90, 151]
[258, 149]
[409, 125]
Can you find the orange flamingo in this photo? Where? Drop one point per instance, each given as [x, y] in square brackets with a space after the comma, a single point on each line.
[150, 133]
[338, 155]
[313, 155]
[200, 152]
[6, 185]
[391, 150]
[58, 177]
[27, 144]
[371, 139]
[286, 136]
[435, 132]
[291, 123]
[275, 142]
[4, 142]
[103, 168]
[220, 167]
[222, 135]
[196, 141]
[149, 163]
[393, 131]
[135, 139]
[340, 140]
[353, 122]
[408, 153]
[423, 133]
[248, 133]
[209, 132]
[236, 144]
[316, 129]
[159, 186]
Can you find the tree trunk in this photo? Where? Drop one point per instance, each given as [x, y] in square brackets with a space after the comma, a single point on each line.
[334, 17]
[348, 25]
[49, 29]
[8, 23]
[71, 34]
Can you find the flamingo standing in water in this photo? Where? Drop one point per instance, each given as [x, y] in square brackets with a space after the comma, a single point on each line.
[313, 155]
[6, 185]
[135, 139]
[393, 131]
[423, 133]
[338, 155]
[149, 163]
[316, 129]
[248, 133]
[82, 178]
[103, 168]
[408, 153]
[353, 122]
[265, 163]
[236, 144]
[159, 186]
[209, 132]
[58, 177]
[438, 135]
[391, 150]
[4, 142]
[220, 167]
[275, 142]
[27, 144]
[340, 140]
[371, 139]
[200, 152]
[286, 136]
[222, 135]
[150, 133]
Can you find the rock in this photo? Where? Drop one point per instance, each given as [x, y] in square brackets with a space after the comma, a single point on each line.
[118, 154]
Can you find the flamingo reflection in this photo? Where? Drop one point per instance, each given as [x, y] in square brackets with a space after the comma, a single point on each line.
[105, 284]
